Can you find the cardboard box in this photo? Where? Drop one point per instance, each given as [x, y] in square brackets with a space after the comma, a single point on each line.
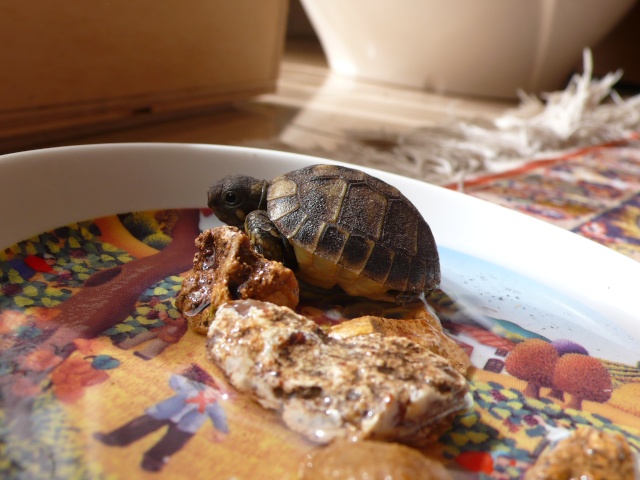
[65, 63]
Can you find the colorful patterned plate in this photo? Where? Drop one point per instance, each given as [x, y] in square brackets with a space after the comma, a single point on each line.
[100, 378]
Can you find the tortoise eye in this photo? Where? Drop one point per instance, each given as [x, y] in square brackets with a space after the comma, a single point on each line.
[232, 199]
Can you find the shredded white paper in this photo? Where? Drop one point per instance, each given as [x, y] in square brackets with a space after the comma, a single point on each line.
[587, 112]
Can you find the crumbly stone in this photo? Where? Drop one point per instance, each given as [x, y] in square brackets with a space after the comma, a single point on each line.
[425, 331]
[588, 454]
[368, 459]
[227, 268]
[363, 387]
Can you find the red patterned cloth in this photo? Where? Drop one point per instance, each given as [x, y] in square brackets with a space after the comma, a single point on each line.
[594, 192]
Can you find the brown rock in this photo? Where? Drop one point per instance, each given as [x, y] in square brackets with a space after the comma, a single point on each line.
[425, 331]
[227, 268]
[587, 453]
[366, 386]
[371, 460]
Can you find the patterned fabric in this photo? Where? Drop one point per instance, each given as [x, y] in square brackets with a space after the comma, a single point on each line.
[594, 192]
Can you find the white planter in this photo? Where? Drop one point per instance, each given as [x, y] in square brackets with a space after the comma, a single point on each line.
[477, 47]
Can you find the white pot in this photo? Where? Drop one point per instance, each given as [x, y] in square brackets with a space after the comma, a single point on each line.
[477, 47]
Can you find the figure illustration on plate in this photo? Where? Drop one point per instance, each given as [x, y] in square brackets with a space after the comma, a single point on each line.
[196, 398]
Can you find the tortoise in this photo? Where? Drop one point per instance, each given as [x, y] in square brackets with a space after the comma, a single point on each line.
[335, 226]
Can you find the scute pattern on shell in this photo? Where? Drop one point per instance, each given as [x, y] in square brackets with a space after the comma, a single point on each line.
[358, 222]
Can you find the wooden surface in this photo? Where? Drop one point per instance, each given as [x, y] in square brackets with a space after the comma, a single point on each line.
[310, 108]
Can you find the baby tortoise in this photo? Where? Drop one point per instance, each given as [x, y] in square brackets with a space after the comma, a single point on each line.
[335, 226]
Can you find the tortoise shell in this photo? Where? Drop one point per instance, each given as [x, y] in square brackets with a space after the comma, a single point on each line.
[354, 230]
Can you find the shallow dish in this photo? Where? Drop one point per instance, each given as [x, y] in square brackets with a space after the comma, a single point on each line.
[126, 354]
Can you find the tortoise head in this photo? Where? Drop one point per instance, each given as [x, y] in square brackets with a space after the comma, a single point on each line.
[234, 196]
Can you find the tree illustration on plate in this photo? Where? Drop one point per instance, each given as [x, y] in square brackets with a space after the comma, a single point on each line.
[563, 347]
[584, 378]
[563, 366]
[534, 361]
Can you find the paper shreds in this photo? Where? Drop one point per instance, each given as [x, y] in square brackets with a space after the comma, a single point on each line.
[588, 112]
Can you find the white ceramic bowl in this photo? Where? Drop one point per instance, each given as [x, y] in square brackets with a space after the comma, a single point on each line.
[499, 265]
[488, 48]
[46, 189]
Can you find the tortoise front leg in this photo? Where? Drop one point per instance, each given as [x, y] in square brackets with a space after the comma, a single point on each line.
[267, 240]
